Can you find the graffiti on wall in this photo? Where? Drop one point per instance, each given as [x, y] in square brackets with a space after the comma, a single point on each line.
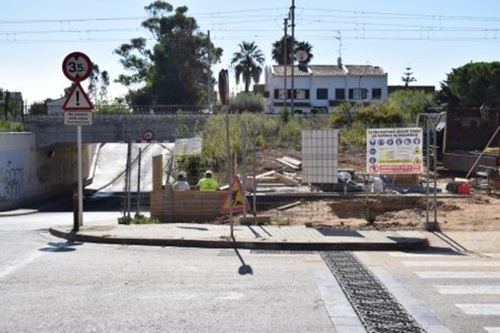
[11, 176]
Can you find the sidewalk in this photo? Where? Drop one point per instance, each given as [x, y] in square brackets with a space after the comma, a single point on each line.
[263, 237]
[272, 237]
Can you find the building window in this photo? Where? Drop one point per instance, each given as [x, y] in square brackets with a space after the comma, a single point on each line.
[376, 93]
[266, 94]
[321, 93]
[301, 93]
[358, 94]
[339, 94]
[280, 94]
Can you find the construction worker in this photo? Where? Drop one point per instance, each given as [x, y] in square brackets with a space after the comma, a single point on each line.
[181, 184]
[208, 183]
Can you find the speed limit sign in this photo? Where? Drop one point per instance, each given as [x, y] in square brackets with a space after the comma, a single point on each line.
[77, 66]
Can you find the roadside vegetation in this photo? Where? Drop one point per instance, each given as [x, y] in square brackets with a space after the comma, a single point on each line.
[284, 130]
[137, 219]
[10, 126]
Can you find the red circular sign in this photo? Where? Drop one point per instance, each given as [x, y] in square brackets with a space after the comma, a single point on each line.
[148, 135]
[77, 66]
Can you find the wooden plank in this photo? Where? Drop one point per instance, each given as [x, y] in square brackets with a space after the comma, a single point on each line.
[288, 164]
[296, 203]
[286, 180]
[292, 161]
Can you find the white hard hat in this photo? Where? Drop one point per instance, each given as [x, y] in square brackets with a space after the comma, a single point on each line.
[208, 172]
[182, 174]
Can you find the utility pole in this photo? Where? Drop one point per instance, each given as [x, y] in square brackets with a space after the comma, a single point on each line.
[209, 75]
[292, 14]
[285, 57]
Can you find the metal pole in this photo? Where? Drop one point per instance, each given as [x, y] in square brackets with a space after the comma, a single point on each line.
[285, 55]
[209, 76]
[254, 183]
[127, 180]
[431, 225]
[434, 170]
[244, 161]
[427, 144]
[292, 11]
[139, 183]
[229, 171]
[80, 183]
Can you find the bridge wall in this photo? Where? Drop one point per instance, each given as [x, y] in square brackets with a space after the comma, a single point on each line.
[51, 130]
[28, 174]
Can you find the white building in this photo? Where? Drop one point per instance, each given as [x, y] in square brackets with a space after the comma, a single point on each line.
[322, 87]
[55, 106]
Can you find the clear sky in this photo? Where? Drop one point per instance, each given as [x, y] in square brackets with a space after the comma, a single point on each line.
[431, 37]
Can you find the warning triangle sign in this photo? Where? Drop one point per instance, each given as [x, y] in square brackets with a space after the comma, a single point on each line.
[77, 100]
[237, 199]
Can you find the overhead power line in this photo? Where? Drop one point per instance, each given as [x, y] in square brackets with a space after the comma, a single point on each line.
[313, 23]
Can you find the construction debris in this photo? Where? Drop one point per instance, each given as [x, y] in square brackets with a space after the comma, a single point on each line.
[290, 162]
[293, 204]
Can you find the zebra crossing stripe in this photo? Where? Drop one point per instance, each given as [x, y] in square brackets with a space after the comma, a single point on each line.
[429, 255]
[487, 263]
[442, 254]
[492, 329]
[458, 275]
[468, 289]
[480, 309]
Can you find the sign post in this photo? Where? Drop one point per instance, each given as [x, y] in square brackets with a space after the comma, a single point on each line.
[77, 67]
[224, 98]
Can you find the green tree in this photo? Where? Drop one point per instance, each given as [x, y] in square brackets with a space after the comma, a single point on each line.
[472, 85]
[10, 105]
[247, 64]
[343, 114]
[173, 71]
[408, 78]
[98, 85]
[38, 108]
[278, 50]
[412, 102]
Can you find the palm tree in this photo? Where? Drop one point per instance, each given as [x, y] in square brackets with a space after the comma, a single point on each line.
[248, 63]
[278, 50]
[304, 46]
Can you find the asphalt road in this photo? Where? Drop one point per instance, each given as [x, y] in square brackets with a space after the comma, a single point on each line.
[49, 285]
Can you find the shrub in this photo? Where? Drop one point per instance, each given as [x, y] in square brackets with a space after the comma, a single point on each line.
[10, 126]
[248, 102]
[137, 219]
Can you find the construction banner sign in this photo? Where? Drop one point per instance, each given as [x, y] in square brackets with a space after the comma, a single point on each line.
[237, 200]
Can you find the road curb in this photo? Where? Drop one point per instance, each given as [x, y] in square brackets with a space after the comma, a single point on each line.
[404, 244]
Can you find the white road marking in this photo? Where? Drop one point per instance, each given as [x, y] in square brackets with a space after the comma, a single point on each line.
[480, 309]
[492, 329]
[468, 289]
[19, 263]
[458, 275]
[25, 260]
[468, 263]
[416, 309]
[449, 255]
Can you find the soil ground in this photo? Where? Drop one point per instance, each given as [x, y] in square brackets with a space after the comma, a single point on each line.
[479, 211]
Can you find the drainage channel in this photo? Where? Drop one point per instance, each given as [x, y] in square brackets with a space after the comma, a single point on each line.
[375, 306]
